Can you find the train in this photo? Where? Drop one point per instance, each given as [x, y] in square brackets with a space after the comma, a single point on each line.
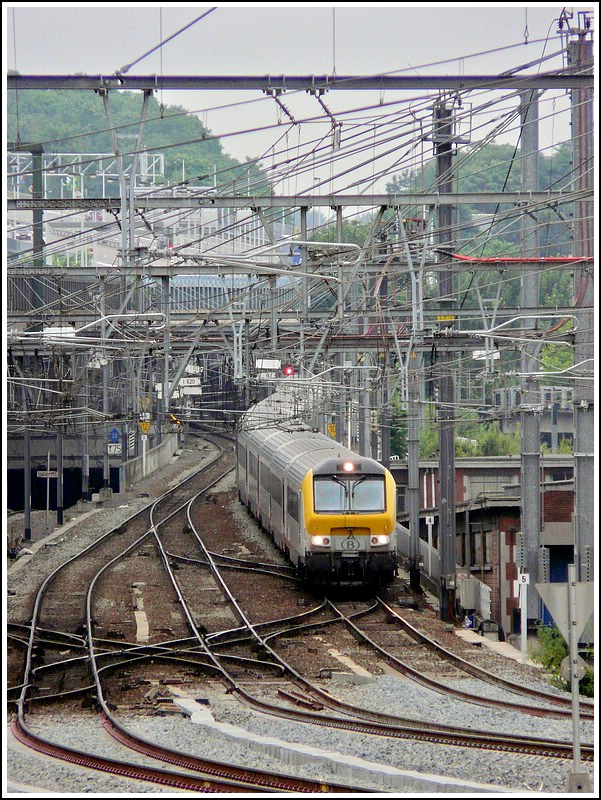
[331, 511]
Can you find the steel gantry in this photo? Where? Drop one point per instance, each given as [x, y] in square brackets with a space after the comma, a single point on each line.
[367, 344]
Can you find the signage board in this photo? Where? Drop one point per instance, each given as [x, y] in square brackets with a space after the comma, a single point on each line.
[114, 448]
[144, 426]
[555, 597]
[263, 364]
[114, 436]
[47, 473]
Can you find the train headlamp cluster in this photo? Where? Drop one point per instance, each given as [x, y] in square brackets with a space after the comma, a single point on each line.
[380, 540]
[320, 541]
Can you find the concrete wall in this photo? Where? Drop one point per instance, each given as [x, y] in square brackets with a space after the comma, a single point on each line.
[131, 471]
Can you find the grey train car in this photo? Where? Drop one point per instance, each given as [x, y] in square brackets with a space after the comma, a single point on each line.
[329, 510]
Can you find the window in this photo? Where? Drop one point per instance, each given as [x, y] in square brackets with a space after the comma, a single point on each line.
[277, 490]
[367, 495]
[265, 477]
[292, 504]
[360, 495]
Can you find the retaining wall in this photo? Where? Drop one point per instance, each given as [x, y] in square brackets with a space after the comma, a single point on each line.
[130, 472]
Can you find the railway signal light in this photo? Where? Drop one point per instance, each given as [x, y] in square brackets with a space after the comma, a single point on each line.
[288, 370]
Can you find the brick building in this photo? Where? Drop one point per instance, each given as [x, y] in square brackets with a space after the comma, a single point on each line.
[488, 509]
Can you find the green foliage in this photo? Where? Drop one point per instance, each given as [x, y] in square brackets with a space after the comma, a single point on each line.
[398, 428]
[552, 648]
[51, 117]
[555, 358]
[587, 684]
[566, 447]
[428, 442]
[551, 651]
[495, 168]
[472, 438]
[354, 231]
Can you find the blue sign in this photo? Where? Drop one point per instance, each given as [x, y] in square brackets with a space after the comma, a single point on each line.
[114, 436]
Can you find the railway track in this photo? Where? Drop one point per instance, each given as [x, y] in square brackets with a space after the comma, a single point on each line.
[365, 721]
[586, 707]
[460, 665]
[205, 651]
[107, 552]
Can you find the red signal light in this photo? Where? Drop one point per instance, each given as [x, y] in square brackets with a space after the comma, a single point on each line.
[288, 370]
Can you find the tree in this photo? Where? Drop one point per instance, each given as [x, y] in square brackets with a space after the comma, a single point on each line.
[67, 122]
[398, 428]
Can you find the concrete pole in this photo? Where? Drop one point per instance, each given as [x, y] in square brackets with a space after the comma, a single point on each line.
[26, 474]
[39, 290]
[529, 298]
[247, 365]
[106, 470]
[443, 138]
[413, 503]
[580, 54]
[166, 348]
[303, 266]
[339, 405]
[85, 467]
[59, 478]
[27, 485]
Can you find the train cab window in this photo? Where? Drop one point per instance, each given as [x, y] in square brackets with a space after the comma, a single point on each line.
[335, 495]
[367, 495]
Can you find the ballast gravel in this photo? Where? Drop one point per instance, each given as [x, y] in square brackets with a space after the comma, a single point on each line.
[55, 551]
[386, 693]
[403, 698]
[26, 768]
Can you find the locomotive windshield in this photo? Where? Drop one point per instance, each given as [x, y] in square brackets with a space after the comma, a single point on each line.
[349, 495]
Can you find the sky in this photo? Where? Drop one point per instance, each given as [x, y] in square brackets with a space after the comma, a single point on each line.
[270, 39]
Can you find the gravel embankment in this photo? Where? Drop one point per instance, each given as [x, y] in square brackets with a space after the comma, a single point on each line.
[386, 693]
[25, 572]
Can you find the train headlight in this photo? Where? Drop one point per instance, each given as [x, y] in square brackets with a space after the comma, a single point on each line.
[320, 541]
[348, 466]
[377, 541]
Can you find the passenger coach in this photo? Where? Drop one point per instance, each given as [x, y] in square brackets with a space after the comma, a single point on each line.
[331, 511]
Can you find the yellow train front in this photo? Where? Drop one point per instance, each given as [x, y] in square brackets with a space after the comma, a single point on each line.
[331, 511]
[349, 508]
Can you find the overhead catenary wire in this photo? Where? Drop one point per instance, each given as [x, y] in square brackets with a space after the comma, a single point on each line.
[293, 172]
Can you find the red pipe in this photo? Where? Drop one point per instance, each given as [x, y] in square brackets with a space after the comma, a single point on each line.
[498, 259]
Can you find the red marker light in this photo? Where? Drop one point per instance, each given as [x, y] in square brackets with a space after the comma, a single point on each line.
[288, 370]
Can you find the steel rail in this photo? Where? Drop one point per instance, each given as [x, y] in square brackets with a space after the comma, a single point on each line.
[386, 725]
[442, 688]
[586, 709]
[255, 778]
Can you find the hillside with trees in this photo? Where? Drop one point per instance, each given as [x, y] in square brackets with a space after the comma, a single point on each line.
[75, 122]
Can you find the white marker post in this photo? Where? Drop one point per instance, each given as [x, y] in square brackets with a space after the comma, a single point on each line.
[47, 489]
[577, 780]
[524, 581]
[430, 524]
[144, 438]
